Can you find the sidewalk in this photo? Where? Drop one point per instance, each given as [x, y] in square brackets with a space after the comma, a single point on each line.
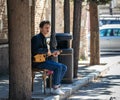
[85, 75]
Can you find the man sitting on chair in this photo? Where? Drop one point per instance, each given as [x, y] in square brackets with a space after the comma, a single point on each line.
[39, 46]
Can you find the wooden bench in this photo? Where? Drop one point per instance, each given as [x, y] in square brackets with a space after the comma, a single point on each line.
[45, 74]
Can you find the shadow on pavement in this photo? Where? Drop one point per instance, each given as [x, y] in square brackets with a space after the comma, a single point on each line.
[97, 88]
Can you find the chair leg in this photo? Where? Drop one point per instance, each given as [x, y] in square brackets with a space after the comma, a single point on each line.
[44, 80]
[33, 76]
[50, 82]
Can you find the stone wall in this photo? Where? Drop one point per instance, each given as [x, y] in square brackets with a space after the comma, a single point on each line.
[43, 12]
[3, 20]
[59, 16]
[40, 6]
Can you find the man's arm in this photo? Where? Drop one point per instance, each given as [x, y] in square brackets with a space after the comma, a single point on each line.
[37, 46]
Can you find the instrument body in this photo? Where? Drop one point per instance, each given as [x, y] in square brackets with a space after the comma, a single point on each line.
[42, 57]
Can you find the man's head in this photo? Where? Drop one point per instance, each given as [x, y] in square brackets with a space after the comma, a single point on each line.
[45, 28]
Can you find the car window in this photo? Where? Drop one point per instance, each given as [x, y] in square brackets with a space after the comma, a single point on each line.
[108, 32]
[102, 32]
[115, 32]
[118, 32]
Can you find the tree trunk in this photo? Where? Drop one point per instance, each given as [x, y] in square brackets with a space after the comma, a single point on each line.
[94, 35]
[84, 32]
[53, 16]
[19, 22]
[33, 18]
[76, 33]
[66, 16]
[53, 42]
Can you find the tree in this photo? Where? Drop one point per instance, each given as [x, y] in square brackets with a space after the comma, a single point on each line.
[84, 32]
[76, 33]
[53, 42]
[94, 31]
[19, 26]
[94, 35]
[33, 18]
[66, 16]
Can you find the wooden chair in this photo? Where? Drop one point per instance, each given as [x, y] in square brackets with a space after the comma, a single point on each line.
[45, 74]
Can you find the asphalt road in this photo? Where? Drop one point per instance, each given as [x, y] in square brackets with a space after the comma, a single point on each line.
[106, 87]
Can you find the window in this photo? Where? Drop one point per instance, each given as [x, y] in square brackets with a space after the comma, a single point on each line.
[106, 32]
[102, 32]
[115, 32]
[110, 32]
[118, 32]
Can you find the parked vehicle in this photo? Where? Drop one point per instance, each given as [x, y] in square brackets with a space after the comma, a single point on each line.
[109, 37]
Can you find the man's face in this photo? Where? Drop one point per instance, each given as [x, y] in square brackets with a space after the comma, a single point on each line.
[45, 30]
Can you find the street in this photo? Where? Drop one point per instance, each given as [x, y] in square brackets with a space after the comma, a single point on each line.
[106, 87]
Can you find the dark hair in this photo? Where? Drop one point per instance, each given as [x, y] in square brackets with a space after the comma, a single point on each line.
[42, 23]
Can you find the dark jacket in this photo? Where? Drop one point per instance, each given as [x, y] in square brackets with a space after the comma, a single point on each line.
[38, 45]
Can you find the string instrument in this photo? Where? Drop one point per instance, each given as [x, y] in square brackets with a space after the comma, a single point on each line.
[42, 57]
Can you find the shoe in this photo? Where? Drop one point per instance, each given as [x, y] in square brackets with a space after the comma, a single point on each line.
[58, 91]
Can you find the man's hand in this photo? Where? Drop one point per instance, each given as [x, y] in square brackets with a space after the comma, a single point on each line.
[49, 53]
[56, 53]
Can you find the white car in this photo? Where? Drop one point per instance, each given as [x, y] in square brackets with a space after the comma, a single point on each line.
[109, 37]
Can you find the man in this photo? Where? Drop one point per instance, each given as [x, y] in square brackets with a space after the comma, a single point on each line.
[39, 46]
